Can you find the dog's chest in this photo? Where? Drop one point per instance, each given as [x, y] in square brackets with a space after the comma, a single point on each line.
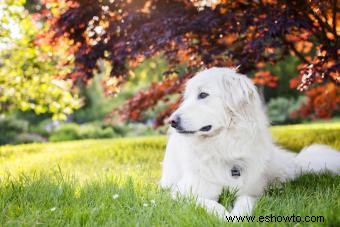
[225, 173]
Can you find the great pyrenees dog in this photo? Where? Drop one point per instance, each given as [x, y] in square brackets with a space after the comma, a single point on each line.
[219, 138]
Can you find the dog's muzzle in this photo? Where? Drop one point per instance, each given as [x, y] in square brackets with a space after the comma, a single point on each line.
[176, 124]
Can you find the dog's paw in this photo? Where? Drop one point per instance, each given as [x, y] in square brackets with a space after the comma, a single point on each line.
[221, 212]
[223, 215]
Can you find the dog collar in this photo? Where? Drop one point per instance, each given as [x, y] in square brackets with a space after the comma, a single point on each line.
[235, 171]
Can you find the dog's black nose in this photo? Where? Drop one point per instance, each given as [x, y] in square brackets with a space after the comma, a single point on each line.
[175, 122]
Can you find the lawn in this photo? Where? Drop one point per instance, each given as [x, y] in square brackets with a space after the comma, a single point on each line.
[114, 183]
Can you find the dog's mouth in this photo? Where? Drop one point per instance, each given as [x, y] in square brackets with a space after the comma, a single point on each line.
[186, 132]
[206, 128]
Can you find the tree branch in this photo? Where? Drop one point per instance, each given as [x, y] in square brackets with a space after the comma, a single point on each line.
[292, 47]
[323, 25]
[334, 19]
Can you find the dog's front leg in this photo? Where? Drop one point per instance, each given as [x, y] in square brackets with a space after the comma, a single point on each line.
[244, 205]
[213, 207]
[210, 205]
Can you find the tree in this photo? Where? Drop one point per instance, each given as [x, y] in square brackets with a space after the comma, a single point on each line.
[29, 70]
[244, 33]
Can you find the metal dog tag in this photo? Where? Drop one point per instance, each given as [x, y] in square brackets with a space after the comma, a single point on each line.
[235, 171]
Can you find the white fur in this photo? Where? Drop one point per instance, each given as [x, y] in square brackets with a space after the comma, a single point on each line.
[199, 164]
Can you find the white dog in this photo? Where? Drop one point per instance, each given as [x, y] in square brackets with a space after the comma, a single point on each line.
[220, 139]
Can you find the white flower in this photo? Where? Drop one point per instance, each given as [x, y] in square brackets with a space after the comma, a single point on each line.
[115, 196]
[153, 202]
[145, 204]
[53, 209]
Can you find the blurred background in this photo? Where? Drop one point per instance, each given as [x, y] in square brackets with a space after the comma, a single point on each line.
[85, 69]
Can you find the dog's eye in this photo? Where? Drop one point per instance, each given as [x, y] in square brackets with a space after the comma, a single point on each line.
[202, 95]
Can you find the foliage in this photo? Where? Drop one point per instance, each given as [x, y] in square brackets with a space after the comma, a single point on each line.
[16, 131]
[279, 110]
[265, 78]
[71, 131]
[279, 75]
[114, 182]
[157, 91]
[321, 99]
[28, 69]
[43, 127]
[139, 129]
[10, 128]
[65, 132]
[91, 131]
[29, 138]
[148, 72]
[30, 116]
[96, 104]
[285, 70]
[248, 34]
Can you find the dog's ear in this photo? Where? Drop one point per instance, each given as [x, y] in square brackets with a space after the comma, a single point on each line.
[239, 92]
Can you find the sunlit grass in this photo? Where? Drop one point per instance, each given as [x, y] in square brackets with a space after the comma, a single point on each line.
[140, 157]
[114, 183]
[295, 137]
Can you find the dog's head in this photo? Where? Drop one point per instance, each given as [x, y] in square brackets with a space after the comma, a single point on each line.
[214, 100]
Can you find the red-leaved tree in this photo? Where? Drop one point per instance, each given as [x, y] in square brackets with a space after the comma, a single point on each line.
[244, 33]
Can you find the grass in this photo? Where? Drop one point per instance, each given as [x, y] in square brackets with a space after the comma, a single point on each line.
[114, 183]
[295, 137]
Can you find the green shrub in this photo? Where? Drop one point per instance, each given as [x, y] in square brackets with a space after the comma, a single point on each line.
[10, 128]
[94, 131]
[119, 130]
[280, 109]
[29, 138]
[140, 129]
[106, 133]
[87, 131]
[69, 131]
[135, 129]
[96, 104]
[72, 131]
[43, 128]
[30, 116]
